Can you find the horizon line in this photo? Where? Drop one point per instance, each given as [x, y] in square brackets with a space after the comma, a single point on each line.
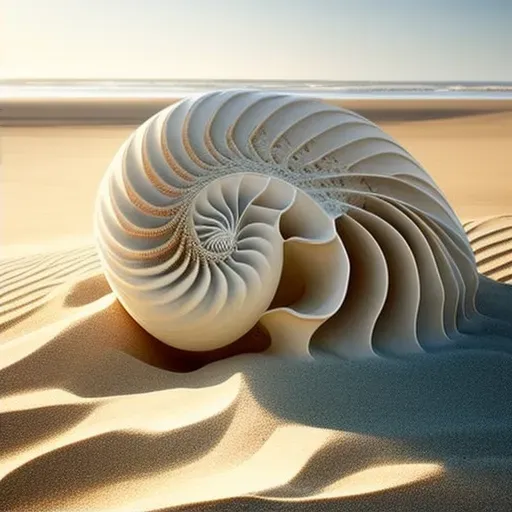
[255, 80]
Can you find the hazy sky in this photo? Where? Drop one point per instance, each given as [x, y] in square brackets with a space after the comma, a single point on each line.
[258, 39]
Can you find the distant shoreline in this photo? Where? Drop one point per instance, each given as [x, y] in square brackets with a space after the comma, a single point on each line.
[295, 83]
[39, 103]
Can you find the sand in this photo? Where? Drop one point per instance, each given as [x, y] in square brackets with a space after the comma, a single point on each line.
[97, 415]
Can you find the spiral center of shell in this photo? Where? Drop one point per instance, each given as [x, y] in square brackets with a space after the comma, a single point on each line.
[218, 241]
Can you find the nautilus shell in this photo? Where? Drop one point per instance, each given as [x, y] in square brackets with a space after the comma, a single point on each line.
[243, 208]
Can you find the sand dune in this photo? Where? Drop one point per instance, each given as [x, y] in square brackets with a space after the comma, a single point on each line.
[93, 420]
[97, 415]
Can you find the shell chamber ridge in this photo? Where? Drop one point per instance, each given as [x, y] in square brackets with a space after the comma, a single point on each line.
[240, 208]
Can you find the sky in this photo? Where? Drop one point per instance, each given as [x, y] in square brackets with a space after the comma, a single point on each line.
[387, 40]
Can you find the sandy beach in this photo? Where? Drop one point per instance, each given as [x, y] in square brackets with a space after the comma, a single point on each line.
[95, 414]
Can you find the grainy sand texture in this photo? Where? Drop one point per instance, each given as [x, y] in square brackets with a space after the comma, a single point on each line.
[96, 415]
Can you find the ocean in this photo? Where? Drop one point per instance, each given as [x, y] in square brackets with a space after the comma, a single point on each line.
[131, 101]
[159, 88]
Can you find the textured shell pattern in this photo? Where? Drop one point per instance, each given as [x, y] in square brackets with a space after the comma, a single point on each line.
[244, 208]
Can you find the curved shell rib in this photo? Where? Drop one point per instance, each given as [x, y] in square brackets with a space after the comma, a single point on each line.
[244, 207]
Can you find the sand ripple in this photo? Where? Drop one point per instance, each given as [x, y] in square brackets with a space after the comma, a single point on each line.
[97, 415]
[491, 239]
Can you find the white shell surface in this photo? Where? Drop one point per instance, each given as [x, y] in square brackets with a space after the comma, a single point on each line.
[240, 208]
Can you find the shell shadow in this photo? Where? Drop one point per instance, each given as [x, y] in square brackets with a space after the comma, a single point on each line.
[107, 352]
